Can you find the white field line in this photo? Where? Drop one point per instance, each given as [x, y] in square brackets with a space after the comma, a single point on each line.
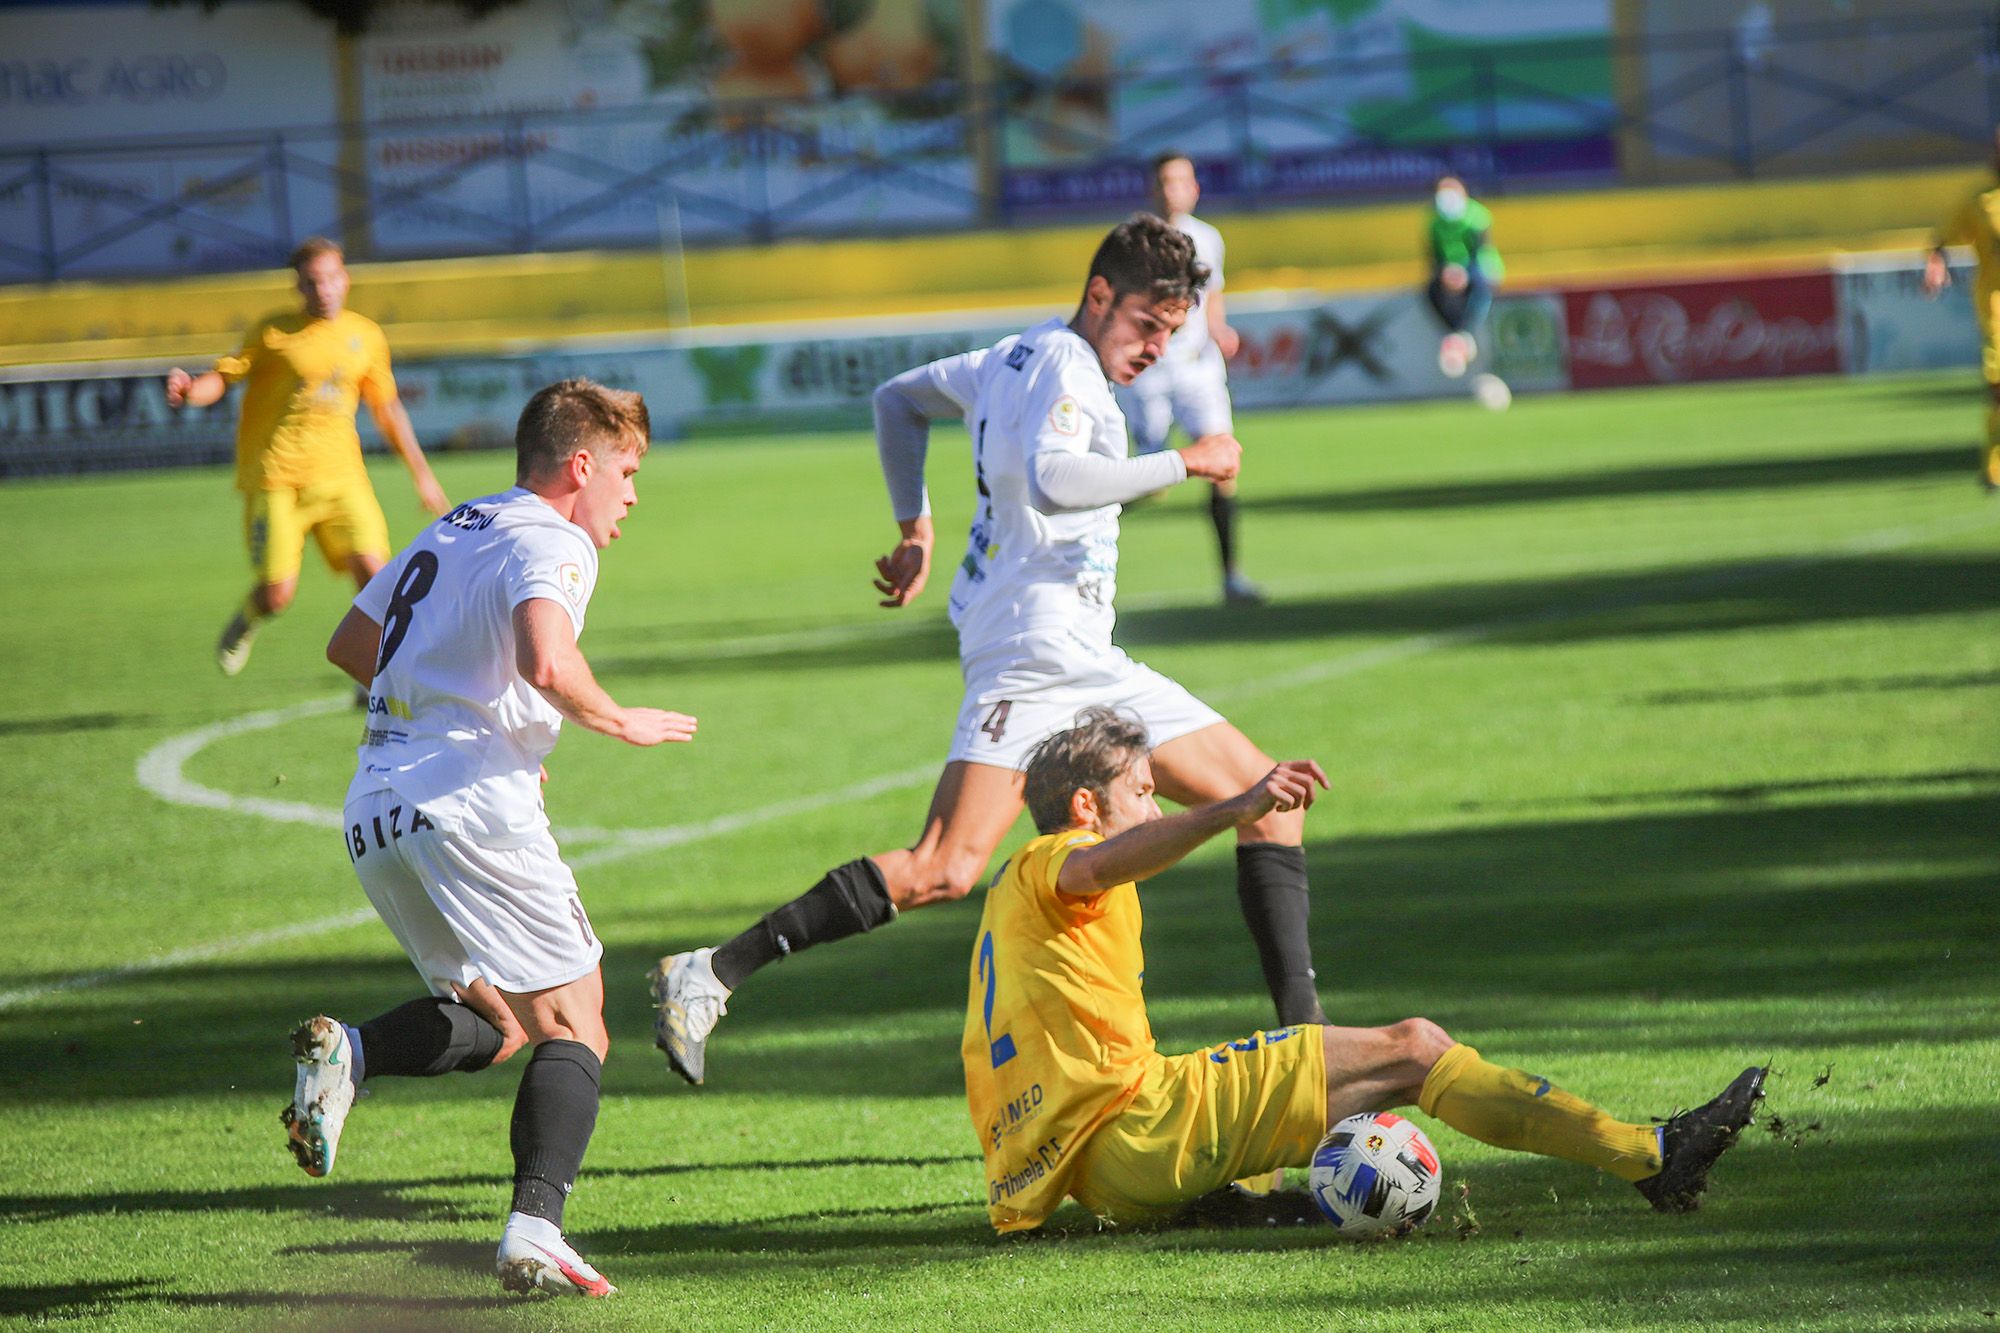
[160, 770]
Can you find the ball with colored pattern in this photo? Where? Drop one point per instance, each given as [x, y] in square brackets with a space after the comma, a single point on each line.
[1375, 1175]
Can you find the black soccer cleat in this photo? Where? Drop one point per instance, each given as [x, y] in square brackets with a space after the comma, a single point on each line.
[1693, 1140]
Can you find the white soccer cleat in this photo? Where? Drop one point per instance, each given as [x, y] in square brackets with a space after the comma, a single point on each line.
[323, 1094]
[534, 1257]
[690, 1001]
[1453, 355]
[232, 650]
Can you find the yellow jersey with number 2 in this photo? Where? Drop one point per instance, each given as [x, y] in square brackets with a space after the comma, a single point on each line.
[1056, 1036]
[305, 378]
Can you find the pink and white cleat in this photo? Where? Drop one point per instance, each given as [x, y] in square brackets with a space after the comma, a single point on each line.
[534, 1257]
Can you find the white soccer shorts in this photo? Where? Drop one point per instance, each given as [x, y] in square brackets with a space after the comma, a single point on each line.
[462, 911]
[1192, 393]
[1034, 686]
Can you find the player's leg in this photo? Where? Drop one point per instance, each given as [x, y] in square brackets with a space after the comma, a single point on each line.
[1417, 1062]
[1148, 404]
[276, 542]
[1218, 761]
[1478, 296]
[971, 810]
[555, 1114]
[1989, 461]
[1201, 405]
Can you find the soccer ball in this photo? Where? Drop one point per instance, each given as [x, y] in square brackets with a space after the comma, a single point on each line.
[1492, 392]
[1375, 1175]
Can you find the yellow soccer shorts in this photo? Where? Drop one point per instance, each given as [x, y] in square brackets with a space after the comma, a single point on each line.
[343, 516]
[1989, 336]
[1204, 1119]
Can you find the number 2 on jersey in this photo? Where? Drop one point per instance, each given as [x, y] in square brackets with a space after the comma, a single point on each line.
[411, 588]
[1002, 1049]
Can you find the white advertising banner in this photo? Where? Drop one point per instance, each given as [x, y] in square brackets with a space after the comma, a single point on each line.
[1890, 324]
[77, 75]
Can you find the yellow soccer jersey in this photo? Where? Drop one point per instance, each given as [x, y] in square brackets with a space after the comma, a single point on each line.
[1056, 1037]
[306, 377]
[1976, 223]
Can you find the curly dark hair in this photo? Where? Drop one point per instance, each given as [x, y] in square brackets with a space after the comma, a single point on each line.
[1147, 256]
[1102, 744]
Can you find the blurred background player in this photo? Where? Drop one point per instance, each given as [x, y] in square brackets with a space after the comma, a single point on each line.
[1070, 1097]
[1190, 383]
[1033, 602]
[1976, 222]
[1465, 268]
[298, 457]
[467, 645]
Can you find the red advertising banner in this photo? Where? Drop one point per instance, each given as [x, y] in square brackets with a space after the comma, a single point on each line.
[1669, 332]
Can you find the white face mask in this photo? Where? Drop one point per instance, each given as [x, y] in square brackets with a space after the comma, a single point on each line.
[1450, 203]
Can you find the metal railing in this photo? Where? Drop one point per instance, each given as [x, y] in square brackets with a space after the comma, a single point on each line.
[1727, 104]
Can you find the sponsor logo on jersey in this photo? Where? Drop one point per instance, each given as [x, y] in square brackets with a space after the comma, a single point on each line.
[571, 578]
[1065, 418]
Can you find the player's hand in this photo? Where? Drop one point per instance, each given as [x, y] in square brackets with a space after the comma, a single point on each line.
[1453, 277]
[653, 726]
[1289, 786]
[1937, 274]
[432, 497]
[1227, 340]
[1214, 457]
[901, 574]
[543, 773]
[178, 384]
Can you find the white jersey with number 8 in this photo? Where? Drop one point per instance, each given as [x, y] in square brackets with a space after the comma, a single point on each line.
[453, 728]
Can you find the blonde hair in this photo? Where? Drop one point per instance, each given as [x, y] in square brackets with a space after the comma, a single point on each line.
[577, 414]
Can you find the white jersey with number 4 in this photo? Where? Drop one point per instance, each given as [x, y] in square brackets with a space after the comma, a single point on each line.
[1026, 572]
[453, 728]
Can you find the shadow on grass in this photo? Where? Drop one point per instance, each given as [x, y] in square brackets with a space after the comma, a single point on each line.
[1682, 599]
[1699, 478]
[1820, 689]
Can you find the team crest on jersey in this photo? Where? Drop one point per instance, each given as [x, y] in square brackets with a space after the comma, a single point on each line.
[571, 579]
[1065, 417]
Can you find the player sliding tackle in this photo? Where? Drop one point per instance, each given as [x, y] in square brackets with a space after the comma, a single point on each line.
[467, 644]
[1032, 601]
[1069, 1097]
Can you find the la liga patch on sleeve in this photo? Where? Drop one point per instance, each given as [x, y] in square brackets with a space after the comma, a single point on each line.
[571, 578]
[1065, 418]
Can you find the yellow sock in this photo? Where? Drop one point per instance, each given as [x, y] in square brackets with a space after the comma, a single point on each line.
[1510, 1109]
[1992, 452]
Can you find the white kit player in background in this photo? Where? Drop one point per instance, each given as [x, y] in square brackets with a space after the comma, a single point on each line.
[1190, 385]
[1032, 601]
[467, 644]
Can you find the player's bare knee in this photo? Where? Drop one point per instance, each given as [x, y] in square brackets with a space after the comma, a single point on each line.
[1287, 827]
[1420, 1042]
[275, 597]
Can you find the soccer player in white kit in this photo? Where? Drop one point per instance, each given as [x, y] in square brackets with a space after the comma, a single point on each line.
[1190, 383]
[467, 644]
[1032, 601]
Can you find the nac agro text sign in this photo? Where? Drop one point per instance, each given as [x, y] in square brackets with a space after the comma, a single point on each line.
[1666, 333]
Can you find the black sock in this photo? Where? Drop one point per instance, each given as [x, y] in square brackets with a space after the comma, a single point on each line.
[554, 1113]
[849, 900]
[428, 1037]
[1222, 513]
[1271, 889]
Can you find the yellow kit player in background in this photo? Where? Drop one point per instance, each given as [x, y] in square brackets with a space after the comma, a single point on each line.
[1976, 223]
[298, 457]
[1070, 1098]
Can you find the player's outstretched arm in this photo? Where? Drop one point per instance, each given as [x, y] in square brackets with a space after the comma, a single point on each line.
[355, 642]
[547, 657]
[393, 420]
[1146, 850]
[185, 390]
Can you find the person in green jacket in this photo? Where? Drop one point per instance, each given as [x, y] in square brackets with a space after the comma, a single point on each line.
[1465, 268]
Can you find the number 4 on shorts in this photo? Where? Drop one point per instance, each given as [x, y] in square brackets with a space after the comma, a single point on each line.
[995, 724]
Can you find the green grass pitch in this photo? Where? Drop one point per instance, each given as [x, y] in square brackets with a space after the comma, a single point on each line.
[1665, 736]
